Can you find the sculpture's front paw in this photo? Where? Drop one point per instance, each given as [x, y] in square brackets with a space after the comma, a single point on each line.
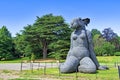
[103, 68]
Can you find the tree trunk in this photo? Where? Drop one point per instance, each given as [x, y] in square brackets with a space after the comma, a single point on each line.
[44, 49]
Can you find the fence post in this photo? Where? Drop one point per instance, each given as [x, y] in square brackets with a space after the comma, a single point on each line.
[76, 74]
[119, 71]
[21, 67]
[59, 71]
[51, 64]
[115, 64]
[44, 70]
[45, 64]
[38, 65]
[31, 66]
[96, 76]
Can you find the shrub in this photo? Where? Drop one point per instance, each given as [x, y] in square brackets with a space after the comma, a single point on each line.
[117, 53]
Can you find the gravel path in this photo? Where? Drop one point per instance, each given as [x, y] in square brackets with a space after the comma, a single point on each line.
[26, 66]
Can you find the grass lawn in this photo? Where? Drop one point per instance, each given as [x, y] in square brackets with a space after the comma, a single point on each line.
[108, 59]
[53, 73]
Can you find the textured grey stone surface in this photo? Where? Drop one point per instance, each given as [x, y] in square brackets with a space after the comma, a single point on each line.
[81, 55]
[87, 65]
[70, 65]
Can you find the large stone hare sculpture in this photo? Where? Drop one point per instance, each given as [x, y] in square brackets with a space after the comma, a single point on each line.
[81, 56]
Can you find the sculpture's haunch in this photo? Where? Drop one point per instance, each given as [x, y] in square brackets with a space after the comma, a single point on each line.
[81, 56]
[70, 65]
[87, 65]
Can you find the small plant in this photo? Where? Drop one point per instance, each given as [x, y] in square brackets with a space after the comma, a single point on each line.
[33, 57]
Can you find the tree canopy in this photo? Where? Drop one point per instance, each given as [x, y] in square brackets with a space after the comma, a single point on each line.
[94, 32]
[46, 31]
[6, 44]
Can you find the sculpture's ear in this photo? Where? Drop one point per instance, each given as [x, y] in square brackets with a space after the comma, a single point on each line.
[86, 20]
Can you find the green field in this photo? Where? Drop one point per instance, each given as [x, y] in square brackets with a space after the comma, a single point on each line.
[54, 74]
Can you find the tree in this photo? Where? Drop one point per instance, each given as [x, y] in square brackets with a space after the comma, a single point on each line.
[27, 43]
[46, 30]
[111, 37]
[117, 45]
[108, 34]
[32, 40]
[102, 47]
[50, 28]
[6, 44]
[20, 44]
[61, 46]
[94, 32]
[109, 49]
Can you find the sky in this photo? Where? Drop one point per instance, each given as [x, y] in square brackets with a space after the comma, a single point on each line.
[16, 14]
